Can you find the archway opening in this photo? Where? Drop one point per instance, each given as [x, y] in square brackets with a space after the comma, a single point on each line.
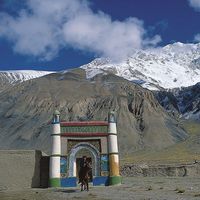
[90, 158]
[78, 151]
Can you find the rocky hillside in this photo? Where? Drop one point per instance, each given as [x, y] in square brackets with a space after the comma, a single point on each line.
[26, 111]
[182, 101]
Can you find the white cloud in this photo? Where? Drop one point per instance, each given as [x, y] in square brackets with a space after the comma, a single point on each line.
[195, 4]
[197, 37]
[46, 26]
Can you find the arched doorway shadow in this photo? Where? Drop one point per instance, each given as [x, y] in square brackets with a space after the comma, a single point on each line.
[75, 150]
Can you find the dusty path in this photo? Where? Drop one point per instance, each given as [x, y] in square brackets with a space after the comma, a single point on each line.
[158, 188]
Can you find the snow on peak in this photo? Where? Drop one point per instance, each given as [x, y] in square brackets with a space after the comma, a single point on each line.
[174, 65]
[16, 76]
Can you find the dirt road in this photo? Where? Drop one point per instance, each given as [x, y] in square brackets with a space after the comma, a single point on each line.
[158, 188]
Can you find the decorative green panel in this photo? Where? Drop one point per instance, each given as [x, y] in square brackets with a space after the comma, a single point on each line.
[84, 129]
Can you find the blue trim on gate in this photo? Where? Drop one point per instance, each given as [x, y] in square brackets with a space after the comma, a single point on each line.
[101, 180]
[72, 181]
[68, 182]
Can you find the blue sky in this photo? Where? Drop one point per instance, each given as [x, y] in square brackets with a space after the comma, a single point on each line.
[56, 35]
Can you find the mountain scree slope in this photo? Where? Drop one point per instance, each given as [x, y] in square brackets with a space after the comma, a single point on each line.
[26, 111]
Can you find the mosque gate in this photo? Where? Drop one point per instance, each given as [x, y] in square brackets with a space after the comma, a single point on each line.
[95, 139]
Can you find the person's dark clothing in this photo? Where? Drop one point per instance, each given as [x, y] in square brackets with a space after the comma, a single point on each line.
[82, 165]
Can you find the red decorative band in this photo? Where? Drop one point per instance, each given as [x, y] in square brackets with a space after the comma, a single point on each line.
[84, 135]
[89, 123]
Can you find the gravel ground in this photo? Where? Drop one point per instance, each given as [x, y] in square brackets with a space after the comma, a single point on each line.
[140, 188]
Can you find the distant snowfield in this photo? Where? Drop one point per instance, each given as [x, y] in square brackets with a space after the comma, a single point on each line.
[15, 76]
[173, 66]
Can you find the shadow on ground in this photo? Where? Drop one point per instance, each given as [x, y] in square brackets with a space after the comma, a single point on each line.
[67, 190]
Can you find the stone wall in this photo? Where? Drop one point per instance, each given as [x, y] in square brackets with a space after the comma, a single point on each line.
[19, 168]
[176, 170]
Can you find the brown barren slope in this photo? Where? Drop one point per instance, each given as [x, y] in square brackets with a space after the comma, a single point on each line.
[26, 111]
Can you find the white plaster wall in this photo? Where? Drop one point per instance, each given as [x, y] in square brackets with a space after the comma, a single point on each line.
[112, 128]
[56, 129]
[54, 171]
[112, 144]
[56, 148]
[74, 169]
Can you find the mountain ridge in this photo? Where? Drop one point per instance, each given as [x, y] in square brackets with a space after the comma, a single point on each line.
[167, 69]
[11, 77]
[174, 65]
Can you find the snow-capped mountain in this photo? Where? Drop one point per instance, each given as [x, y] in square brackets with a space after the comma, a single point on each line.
[15, 76]
[12, 77]
[172, 66]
